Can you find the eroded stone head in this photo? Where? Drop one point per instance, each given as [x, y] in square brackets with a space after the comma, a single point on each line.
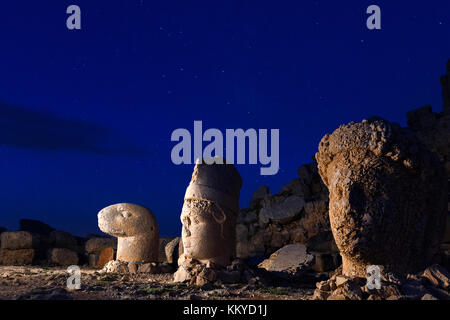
[209, 213]
[136, 229]
[387, 196]
[126, 219]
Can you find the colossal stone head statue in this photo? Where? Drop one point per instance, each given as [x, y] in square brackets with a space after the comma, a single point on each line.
[136, 230]
[209, 213]
[388, 196]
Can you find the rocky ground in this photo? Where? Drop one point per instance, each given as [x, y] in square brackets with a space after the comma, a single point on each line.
[41, 283]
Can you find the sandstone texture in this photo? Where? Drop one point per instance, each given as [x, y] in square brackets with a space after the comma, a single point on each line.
[62, 239]
[291, 260]
[209, 213]
[430, 284]
[18, 240]
[136, 230]
[62, 257]
[122, 267]
[49, 283]
[295, 214]
[433, 130]
[162, 248]
[197, 273]
[106, 255]
[438, 276]
[173, 250]
[16, 257]
[96, 245]
[388, 196]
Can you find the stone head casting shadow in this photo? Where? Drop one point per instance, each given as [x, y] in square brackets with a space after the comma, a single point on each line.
[209, 214]
[136, 229]
[388, 196]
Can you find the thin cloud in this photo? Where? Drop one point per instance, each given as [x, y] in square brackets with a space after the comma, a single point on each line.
[25, 128]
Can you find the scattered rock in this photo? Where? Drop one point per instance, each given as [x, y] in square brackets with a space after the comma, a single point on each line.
[438, 293]
[106, 255]
[291, 260]
[182, 274]
[132, 267]
[16, 257]
[294, 215]
[230, 276]
[116, 266]
[18, 240]
[63, 256]
[346, 291]
[162, 248]
[340, 280]
[93, 259]
[433, 130]
[206, 276]
[326, 261]
[97, 244]
[438, 276]
[194, 272]
[429, 297]
[62, 239]
[323, 286]
[283, 212]
[52, 294]
[321, 295]
[173, 250]
[125, 268]
[322, 242]
[258, 195]
[413, 289]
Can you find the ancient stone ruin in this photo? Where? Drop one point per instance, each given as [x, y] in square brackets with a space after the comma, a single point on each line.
[388, 197]
[376, 195]
[209, 213]
[100, 251]
[296, 214]
[136, 230]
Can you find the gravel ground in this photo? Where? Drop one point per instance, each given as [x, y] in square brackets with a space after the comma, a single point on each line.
[41, 283]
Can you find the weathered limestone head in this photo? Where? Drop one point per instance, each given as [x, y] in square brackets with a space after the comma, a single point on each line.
[209, 213]
[136, 229]
[388, 196]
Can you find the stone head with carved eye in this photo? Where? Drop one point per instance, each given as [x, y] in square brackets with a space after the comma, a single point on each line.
[136, 229]
[388, 196]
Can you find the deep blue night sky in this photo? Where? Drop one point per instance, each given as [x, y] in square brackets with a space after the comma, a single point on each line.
[86, 116]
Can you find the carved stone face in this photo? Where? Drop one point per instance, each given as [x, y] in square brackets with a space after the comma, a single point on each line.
[387, 197]
[202, 234]
[366, 206]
